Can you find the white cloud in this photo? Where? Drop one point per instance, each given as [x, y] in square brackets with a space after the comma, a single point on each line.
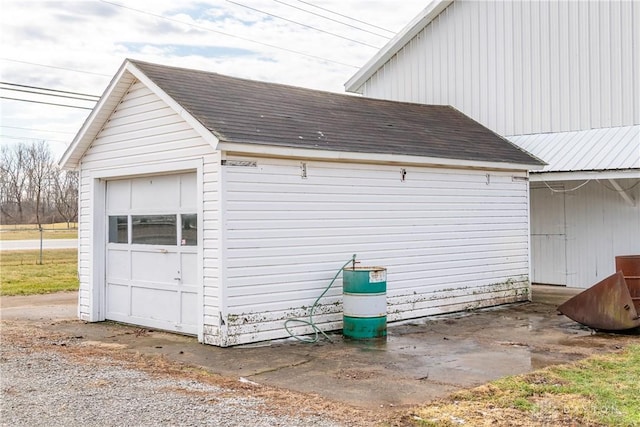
[96, 37]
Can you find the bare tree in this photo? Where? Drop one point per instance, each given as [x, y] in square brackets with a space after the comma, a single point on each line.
[65, 190]
[32, 189]
[15, 180]
[40, 168]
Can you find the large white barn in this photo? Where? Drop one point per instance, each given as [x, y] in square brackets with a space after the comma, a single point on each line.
[560, 79]
[221, 207]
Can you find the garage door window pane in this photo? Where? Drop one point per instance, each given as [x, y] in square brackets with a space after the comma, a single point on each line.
[154, 229]
[118, 229]
[189, 229]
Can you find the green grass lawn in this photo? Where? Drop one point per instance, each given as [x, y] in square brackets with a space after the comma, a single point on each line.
[31, 232]
[599, 390]
[20, 273]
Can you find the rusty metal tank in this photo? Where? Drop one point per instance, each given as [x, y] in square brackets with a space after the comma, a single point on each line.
[607, 306]
[629, 265]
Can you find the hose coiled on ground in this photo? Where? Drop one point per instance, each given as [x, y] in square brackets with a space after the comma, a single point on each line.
[310, 322]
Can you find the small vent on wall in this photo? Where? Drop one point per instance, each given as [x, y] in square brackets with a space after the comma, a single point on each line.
[245, 163]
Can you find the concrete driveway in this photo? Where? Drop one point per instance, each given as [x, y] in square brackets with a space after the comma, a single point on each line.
[420, 360]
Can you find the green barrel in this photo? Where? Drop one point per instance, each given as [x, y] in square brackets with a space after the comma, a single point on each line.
[364, 302]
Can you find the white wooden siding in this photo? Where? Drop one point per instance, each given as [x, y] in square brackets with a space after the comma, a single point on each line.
[143, 130]
[450, 239]
[548, 235]
[524, 67]
[593, 240]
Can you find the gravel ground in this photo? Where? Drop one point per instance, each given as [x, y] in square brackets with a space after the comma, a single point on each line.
[49, 388]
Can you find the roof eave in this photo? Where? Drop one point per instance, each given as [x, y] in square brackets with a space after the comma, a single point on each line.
[261, 150]
[584, 175]
[433, 9]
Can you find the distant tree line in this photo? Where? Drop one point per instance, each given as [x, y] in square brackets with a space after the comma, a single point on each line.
[33, 189]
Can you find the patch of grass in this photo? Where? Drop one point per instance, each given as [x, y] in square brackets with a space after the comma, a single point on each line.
[612, 385]
[58, 230]
[53, 226]
[35, 234]
[20, 273]
[600, 390]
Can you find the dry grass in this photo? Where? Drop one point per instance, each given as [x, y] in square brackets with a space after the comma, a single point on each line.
[602, 390]
[30, 231]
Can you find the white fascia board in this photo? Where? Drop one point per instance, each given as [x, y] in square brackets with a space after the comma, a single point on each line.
[82, 139]
[184, 114]
[433, 9]
[583, 175]
[258, 150]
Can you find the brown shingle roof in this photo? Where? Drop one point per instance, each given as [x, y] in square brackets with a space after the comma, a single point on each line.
[253, 112]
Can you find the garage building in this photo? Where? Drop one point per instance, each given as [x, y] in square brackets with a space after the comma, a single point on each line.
[221, 207]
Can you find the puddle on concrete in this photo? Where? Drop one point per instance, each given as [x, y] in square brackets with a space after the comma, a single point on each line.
[419, 360]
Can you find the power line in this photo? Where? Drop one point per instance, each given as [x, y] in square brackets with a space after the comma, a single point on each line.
[331, 19]
[33, 92]
[231, 35]
[303, 25]
[27, 138]
[57, 68]
[45, 103]
[48, 90]
[345, 16]
[47, 94]
[36, 130]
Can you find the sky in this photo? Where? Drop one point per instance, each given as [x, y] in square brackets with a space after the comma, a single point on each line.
[78, 46]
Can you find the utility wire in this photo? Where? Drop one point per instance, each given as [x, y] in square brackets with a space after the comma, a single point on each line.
[45, 103]
[302, 25]
[345, 16]
[48, 94]
[36, 130]
[28, 138]
[331, 19]
[57, 68]
[569, 190]
[49, 90]
[201, 27]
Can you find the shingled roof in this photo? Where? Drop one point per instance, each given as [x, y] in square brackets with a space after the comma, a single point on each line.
[254, 112]
[268, 114]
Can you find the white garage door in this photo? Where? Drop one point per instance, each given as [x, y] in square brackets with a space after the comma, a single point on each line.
[152, 267]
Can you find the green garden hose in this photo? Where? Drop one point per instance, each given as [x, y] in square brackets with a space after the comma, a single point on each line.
[310, 322]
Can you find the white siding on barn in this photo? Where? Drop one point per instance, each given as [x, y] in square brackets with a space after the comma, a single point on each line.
[450, 239]
[522, 67]
[143, 130]
[548, 235]
[592, 240]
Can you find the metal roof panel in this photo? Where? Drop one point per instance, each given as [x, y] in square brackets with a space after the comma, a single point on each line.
[586, 150]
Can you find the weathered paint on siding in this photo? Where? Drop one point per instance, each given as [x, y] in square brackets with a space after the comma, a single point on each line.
[592, 239]
[450, 239]
[524, 67]
[142, 131]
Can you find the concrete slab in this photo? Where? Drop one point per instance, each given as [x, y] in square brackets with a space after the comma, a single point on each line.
[420, 360]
